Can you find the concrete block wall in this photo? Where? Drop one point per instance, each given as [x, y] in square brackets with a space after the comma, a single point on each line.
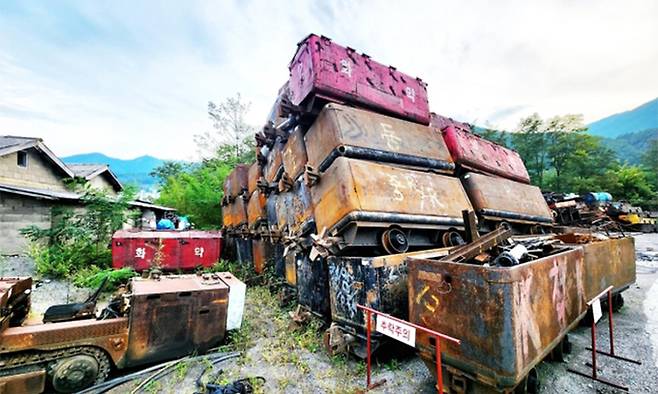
[17, 212]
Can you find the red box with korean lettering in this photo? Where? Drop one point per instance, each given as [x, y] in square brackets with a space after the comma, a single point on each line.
[167, 250]
[472, 152]
[322, 69]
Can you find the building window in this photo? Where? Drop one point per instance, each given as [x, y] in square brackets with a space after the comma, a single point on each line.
[21, 159]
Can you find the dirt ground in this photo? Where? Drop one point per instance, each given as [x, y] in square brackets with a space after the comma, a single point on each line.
[292, 360]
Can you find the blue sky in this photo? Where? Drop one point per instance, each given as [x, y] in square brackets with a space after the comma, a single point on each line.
[129, 78]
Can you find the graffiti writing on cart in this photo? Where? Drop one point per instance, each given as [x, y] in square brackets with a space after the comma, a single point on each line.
[343, 282]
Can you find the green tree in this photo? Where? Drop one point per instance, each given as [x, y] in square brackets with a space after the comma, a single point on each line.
[563, 134]
[169, 168]
[628, 183]
[650, 162]
[197, 189]
[229, 129]
[530, 141]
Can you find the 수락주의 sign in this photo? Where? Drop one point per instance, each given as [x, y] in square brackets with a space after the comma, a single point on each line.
[396, 330]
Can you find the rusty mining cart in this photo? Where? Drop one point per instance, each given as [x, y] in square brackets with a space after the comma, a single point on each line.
[154, 319]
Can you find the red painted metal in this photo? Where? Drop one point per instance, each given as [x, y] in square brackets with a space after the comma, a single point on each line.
[323, 69]
[437, 337]
[474, 152]
[175, 250]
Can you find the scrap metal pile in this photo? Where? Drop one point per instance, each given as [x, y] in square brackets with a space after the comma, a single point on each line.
[598, 210]
[355, 177]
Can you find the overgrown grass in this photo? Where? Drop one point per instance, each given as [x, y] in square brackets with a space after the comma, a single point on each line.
[93, 276]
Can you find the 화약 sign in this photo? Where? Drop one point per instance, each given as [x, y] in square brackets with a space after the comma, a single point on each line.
[396, 330]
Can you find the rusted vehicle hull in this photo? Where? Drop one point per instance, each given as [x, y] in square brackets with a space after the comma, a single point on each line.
[325, 70]
[203, 309]
[473, 152]
[497, 199]
[345, 131]
[359, 200]
[236, 182]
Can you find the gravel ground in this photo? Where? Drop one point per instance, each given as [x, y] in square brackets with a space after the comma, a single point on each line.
[292, 360]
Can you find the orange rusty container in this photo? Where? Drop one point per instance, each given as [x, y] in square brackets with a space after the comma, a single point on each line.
[235, 214]
[255, 172]
[294, 154]
[345, 131]
[501, 199]
[256, 214]
[355, 194]
[236, 182]
[508, 319]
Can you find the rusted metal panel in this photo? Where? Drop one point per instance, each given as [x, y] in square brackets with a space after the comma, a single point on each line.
[291, 269]
[345, 131]
[508, 319]
[236, 182]
[500, 199]
[174, 316]
[244, 251]
[239, 212]
[294, 154]
[110, 335]
[299, 212]
[355, 190]
[259, 254]
[32, 382]
[473, 152]
[256, 213]
[608, 262]
[273, 169]
[312, 284]
[255, 172]
[322, 68]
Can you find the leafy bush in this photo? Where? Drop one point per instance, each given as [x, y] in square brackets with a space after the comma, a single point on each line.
[93, 276]
[79, 239]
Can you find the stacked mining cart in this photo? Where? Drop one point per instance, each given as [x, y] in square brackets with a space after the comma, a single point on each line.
[354, 175]
[352, 165]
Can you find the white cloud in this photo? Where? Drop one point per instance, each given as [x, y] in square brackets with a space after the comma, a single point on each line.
[134, 78]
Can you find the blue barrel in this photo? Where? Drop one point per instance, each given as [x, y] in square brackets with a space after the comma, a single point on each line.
[597, 198]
